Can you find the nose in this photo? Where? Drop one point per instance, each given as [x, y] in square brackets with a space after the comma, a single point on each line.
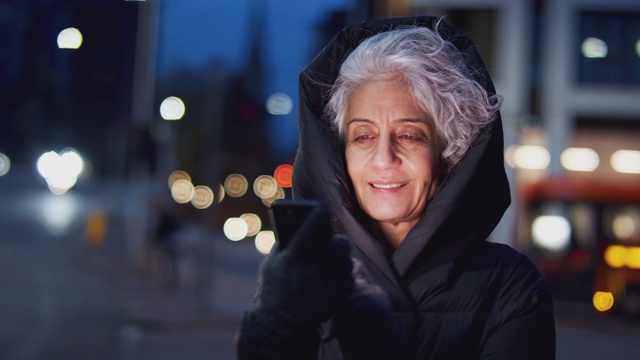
[385, 153]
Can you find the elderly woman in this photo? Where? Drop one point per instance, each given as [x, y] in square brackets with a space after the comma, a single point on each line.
[400, 138]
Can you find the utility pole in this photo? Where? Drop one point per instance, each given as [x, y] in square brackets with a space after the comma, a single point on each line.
[140, 181]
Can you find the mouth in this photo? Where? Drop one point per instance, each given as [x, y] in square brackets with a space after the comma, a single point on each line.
[388, 186]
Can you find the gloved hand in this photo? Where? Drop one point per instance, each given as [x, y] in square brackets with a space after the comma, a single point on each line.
[302, 285]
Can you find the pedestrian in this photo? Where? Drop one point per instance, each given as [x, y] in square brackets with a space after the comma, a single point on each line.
[164, 247]
[401, 140]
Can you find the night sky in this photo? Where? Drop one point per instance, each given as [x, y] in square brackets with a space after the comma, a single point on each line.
[194, 32]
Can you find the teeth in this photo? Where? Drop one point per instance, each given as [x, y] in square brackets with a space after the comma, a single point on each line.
[386, 186]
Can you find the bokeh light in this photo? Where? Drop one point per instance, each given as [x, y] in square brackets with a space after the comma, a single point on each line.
[603, 300]
[182, 191]
[70, 38]
[235, 229]
[279, 104]
[265, 186]
[46, 163]
[202, 197]
[265, 240]
[95, 229]
[531, 157]
[61, 171]
[220, 194]
[282, 175]
[632, 258]
[172, 108]
[177, 175]
[618, 256]
[236, 185]
[626, 226]
[254, 224]
[279, 195]
[614, 256]
[594, 48]
[5, 164]
[73, 161]
[551, 232]
[626, 161]
[579, 159]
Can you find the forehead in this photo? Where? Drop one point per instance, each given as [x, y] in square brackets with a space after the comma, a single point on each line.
[384, 101]
[382, 93]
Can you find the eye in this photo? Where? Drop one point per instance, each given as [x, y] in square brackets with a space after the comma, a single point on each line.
[361, 135]
[361, 138]
[411, 136]
[408, 137]
[362, 141]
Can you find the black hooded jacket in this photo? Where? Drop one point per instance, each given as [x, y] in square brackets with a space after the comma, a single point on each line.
[454, 294]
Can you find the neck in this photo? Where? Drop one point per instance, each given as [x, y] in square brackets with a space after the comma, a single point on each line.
[392, 234]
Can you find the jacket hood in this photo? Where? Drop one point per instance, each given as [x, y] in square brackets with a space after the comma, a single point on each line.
[469, 201]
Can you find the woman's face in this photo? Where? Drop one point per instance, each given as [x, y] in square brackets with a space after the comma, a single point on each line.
[392, 154]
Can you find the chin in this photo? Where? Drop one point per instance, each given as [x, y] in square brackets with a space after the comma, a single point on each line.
[386, 216]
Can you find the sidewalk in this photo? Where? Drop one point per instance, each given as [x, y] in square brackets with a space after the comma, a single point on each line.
[198, 318]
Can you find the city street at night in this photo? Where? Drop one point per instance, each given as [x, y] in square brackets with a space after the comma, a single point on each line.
[64, 299]
[143, 144]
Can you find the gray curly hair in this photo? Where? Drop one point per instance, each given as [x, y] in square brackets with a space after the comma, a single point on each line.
[439, 81]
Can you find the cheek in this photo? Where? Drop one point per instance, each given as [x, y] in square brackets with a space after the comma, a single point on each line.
[354, 166]
[429, 167]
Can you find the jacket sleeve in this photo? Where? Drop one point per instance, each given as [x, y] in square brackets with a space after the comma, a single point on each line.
[262, 337]
[525, 327]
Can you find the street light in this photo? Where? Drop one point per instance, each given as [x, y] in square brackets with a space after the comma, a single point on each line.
[5, 164]
[61, 171]
[172, 108]
[70, 38]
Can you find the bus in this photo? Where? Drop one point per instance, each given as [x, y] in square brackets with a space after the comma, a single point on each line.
[583, 234]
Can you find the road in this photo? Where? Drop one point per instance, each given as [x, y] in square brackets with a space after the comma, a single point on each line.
[62, 298]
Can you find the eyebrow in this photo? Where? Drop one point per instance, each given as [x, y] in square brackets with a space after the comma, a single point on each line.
[401, 120]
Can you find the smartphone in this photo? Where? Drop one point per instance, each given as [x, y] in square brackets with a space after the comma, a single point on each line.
[287, 216]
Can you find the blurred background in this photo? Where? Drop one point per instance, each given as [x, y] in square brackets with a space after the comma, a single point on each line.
[142, 143]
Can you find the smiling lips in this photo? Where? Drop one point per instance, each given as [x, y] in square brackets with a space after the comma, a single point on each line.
[388, 186]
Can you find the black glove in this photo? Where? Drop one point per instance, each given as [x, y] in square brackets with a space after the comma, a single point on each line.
[302, 285]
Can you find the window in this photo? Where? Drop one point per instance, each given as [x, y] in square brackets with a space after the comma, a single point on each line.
[608, 48]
